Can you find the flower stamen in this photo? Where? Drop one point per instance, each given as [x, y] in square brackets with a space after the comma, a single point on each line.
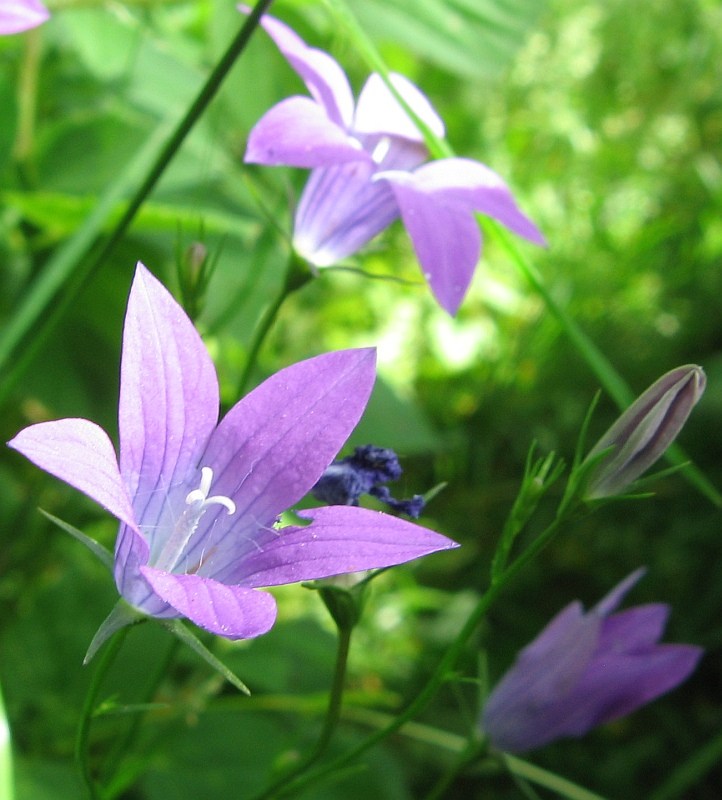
[197, 503]
[199, 497]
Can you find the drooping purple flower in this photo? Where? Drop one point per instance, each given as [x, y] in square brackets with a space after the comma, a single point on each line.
[365, 472]
[583, 670]
[368, 168]
[21, 15]
[199, 500]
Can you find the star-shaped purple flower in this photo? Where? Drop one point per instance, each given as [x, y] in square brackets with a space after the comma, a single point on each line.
[585, 669]
[368, 168]
[17, 16]
[198, 499]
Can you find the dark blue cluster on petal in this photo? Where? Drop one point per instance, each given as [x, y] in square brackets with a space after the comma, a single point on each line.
[365, 472]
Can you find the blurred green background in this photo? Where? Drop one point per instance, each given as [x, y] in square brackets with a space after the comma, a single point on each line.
[606, 119]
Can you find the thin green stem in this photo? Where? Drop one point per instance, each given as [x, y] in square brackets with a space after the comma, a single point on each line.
[27, 98]
[41, 310]
[333, 713]
[297, 275]
[81, 742]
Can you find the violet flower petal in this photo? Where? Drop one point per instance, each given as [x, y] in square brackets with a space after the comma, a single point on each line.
[324, 78]
[297, 132]
[437, 202]
[626, 681]
[132, 553]
[634, 628]
[379, 112]
[17, 16]
[231, 611]
[168, 398]
[273, 445]
[340, 211]
[339, 539]
[80, 453]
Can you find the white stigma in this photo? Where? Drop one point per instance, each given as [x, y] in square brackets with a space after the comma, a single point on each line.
[197, 501]
[199, 497]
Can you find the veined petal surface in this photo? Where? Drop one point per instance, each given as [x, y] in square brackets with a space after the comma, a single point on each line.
[274, 444]
[168, 400]
[80, 453]
[231, 611]
[341, 209]
[339, 539]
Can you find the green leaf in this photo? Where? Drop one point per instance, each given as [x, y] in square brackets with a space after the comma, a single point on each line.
[467, 37]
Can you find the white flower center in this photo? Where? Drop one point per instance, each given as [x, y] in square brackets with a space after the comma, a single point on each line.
[197, 503]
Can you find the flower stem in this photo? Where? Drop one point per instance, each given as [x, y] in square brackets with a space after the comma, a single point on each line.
[297, 275]
[82, 739]
[41, 310]
[333, 713]
[27, 101]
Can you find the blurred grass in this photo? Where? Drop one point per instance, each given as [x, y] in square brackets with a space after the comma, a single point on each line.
[606, 118]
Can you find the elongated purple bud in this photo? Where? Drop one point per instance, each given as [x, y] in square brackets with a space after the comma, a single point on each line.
[644, 431]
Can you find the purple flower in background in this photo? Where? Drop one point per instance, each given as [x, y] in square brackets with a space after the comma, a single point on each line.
[368, 168]
[365, 472]
[585, 669]
[198, 500]
[21, 15]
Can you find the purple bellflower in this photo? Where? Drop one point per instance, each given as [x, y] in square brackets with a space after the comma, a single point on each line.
[366, 472]
[199, 500]
[368, 167]
[583, 670]
[17, 16]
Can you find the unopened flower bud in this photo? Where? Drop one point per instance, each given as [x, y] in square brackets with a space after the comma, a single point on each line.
[644, 431]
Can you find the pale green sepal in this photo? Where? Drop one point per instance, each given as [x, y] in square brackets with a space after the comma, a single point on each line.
[121, 616]
[177, 628]
[95, 548]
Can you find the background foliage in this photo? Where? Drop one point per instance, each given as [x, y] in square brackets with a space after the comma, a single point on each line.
[606, 119]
